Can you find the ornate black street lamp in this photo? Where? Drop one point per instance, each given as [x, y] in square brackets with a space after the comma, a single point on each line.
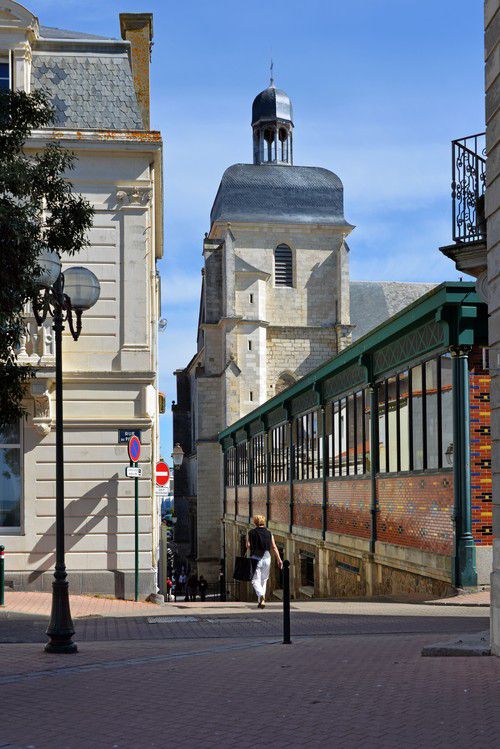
[177, 456]
[63, 296]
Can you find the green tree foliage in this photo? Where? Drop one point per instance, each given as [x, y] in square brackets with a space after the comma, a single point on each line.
[38, 210]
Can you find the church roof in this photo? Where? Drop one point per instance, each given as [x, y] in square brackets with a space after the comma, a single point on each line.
[271, 104]
[250, 193]
[373, 302]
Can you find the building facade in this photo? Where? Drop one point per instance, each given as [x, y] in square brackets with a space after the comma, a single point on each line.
[373, 470]
[492, 213]
[100, 90]
[476, 250]
[276, 302]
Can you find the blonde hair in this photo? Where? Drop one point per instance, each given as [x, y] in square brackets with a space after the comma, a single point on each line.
[259, 520]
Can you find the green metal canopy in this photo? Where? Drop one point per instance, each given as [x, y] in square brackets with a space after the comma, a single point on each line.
[450, 315]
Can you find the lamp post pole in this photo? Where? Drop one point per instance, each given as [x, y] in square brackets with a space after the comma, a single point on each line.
[63, 296]
[60, 629]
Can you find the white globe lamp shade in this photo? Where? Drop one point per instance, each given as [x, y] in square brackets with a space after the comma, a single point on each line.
[82, 287]
[50, 265]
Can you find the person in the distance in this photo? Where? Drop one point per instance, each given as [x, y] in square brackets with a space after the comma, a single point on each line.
[261, 542]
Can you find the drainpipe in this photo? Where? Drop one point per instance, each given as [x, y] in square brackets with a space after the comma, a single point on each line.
[465, 548]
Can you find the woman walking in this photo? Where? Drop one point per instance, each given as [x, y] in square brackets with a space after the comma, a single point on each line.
[260, 542]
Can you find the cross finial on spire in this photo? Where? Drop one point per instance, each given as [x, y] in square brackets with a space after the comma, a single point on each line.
[271, 82]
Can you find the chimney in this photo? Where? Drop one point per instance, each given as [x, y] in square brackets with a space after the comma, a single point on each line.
[137, 28]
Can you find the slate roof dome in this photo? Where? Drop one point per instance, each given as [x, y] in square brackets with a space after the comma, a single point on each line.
[279, 194]
[271, 104]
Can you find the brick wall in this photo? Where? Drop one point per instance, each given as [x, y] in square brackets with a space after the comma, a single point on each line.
[480, 453]
[308, 504]
[230, 501]
[279, 495]
[243, 495]
[349, 503]
[416, 510]
[259, 499]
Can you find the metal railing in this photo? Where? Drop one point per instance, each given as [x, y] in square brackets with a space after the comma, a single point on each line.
[467, 188]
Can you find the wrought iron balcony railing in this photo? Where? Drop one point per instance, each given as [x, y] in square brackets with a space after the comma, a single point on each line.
[468, 183]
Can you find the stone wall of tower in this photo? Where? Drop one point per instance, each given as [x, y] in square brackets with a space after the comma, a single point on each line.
[290, 329]
[251, 334]
[297, 350]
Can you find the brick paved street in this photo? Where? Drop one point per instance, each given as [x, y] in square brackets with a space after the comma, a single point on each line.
[200, 677]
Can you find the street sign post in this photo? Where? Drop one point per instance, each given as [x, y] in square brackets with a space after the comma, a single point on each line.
[133, 471]
[162, 473]
[134, 448]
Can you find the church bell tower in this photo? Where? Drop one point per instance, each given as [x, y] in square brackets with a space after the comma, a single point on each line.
[272, 123]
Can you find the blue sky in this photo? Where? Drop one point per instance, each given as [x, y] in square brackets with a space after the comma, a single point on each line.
[379, 88]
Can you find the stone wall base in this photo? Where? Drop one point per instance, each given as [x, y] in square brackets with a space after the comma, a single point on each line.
[484, 564]
[110, 582]
[344, 568]
[495, 612]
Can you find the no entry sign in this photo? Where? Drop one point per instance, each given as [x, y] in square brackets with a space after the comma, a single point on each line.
[134, 449]
[162, 473]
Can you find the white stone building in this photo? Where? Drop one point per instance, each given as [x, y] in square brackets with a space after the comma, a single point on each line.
[275, 304]
[100, 90]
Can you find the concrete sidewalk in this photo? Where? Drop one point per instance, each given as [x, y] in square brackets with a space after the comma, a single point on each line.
[39, 604]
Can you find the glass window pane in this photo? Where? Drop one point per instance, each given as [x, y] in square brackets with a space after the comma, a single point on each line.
[359, 432]
[10, 488]
[328, 437]
[4, 76]
[367, 417]
[343, 432]
[416, 400]
[431, 388]
[352, 434]
[392, 412]
[336, 427]
[10, 435]
[382, 441]
[404, 421]
[446, 411]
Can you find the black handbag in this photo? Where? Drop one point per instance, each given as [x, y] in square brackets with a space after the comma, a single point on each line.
[244, 568]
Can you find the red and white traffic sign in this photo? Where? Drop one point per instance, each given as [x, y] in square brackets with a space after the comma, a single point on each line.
[134, 448]
[162, 473]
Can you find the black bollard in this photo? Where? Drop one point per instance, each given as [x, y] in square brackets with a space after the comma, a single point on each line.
[286, 603]
[2, 576]
[222, 587]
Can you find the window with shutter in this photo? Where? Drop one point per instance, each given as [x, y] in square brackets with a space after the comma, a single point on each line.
[283, 271]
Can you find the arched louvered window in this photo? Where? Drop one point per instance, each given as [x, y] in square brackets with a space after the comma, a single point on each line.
[283, 269]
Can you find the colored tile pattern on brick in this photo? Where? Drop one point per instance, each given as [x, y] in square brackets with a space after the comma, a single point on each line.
[242, 504]
[480, 454]
[230, 501]
[349, 503]
[259, 499]
[279, 495]
[417, 511]
[308, 504]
